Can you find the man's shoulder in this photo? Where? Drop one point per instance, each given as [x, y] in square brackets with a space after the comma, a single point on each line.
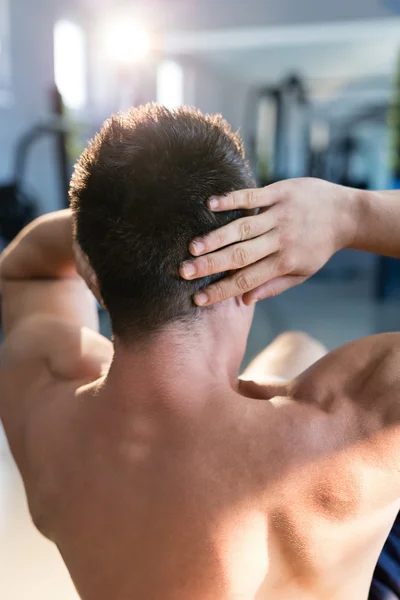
[363, 374]
[347, 403]
[356, 389]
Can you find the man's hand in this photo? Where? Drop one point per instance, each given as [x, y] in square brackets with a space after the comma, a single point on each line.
[300, 224]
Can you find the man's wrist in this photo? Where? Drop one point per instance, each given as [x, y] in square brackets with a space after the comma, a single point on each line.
[353, 210]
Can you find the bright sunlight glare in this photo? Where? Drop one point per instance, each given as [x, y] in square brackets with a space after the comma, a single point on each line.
[170, 84]
[126, 41]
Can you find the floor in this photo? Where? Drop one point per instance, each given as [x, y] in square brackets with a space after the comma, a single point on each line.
[30, 567]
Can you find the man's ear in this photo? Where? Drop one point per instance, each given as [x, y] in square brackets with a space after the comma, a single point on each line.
[87, 273]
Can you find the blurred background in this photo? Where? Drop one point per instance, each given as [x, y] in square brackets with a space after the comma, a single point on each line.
[314, 88]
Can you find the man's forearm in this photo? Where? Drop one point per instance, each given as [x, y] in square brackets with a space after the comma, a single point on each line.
[376, 222]
[44, 249]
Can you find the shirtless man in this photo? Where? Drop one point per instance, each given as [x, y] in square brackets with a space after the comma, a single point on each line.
[157, 472]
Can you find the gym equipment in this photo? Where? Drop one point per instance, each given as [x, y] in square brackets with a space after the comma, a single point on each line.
[17, 206]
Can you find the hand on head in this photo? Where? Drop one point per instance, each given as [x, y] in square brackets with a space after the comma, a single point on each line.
[300, 224]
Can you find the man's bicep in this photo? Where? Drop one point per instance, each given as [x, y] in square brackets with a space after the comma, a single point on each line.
[58, 348]
[66, 299]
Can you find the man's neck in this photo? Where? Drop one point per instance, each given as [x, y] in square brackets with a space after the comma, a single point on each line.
[178, 361]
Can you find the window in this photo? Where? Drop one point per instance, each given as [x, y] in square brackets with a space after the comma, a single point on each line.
[70, 64]
[170, 84]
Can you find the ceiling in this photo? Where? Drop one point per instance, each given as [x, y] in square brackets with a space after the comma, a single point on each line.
[262, 40]
[333, 45]
[351, 61]
[324, 65]
[216, 14]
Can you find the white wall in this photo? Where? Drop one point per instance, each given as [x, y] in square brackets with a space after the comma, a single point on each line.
[31, 73]
[213, 91]
[32, 79]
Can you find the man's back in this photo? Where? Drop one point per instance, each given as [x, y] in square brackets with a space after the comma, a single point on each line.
[216, 497]
[162, 480]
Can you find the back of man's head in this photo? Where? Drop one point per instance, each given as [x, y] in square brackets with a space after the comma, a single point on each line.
[139, 195]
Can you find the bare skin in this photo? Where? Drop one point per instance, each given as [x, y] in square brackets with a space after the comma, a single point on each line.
[300, 224]
[160, 474]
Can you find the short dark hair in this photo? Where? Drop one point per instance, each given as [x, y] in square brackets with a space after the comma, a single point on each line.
[139, 195]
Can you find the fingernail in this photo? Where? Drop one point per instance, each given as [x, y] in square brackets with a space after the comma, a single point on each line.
[201, 299]
[213, 203]
[188, 269]
[198, 247]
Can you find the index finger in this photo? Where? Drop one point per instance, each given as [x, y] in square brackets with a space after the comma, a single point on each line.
[240, 230]
[244, 199]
